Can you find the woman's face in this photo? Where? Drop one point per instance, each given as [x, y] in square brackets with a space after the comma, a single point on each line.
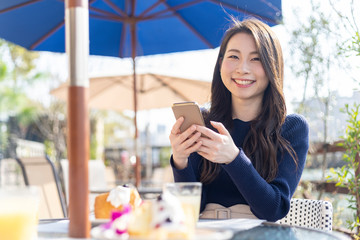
[241, 70]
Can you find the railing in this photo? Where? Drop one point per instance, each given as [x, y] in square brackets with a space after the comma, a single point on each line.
[328, 187]
[27, 148]
[10, 172]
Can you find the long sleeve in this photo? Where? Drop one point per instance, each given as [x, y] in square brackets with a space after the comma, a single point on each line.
[271, 201]
[240, 183]
[190, 173]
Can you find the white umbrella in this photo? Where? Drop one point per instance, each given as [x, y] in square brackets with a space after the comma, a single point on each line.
[153, 91]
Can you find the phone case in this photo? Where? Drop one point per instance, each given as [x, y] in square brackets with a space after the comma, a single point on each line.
[191, 113]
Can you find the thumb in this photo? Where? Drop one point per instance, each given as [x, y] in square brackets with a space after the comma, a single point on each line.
[220, 127]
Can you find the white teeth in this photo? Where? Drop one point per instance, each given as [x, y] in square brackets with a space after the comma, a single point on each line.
[243, 82]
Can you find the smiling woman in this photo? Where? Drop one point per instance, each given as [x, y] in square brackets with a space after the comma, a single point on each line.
[253, 155]
[243, 74]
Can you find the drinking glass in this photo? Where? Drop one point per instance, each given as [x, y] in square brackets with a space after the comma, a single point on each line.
[19, 212]
[189, 194]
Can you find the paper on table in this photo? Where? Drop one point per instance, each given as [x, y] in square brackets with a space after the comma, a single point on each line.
[231, 224]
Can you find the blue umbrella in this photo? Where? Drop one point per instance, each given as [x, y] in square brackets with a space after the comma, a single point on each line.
[130, 28]
[158, 26]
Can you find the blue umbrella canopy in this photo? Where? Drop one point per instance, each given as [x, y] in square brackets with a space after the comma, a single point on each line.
[128, 28]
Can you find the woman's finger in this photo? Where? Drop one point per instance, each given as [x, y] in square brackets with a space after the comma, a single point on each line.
[220, 127]
[204, 155]
[194, 147]
[204, 149]
[176, 127]
[187, 133]
[183, 141]
[192, 140]
[207, 132]
[206, 141]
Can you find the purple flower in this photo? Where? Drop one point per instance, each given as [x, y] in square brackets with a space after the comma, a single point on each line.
[117, 213]
[120, 232]
[106, 226]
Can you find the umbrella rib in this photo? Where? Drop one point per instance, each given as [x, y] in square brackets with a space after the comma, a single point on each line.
[148, 90]
[112, 83]
[133, 4]
[126, 6]
[105, 13]
[112, 18]
[244, 11]
[190, 27]
[176, 92]
[133, 36]
[155, 16]
[48, 34]
[165, 84]
[122, 40]
[150, 8]
[172, 9]
[18, 6]
[115, 8]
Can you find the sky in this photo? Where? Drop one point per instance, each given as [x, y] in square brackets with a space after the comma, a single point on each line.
[194, 65]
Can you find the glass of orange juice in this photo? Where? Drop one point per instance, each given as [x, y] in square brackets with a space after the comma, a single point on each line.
[189, 194]
[19, 212]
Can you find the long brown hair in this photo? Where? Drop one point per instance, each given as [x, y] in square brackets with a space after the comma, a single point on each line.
[264, 139]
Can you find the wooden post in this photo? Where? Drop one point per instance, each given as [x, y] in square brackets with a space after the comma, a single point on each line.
[77, 48]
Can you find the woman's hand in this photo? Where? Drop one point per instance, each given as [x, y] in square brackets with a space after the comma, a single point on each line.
[218, 147]
[183, 144]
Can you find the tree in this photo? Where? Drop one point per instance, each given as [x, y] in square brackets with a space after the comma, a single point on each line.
[16, 73]
[349, 23]
[50, 123]
[349, 175]
[313, 50]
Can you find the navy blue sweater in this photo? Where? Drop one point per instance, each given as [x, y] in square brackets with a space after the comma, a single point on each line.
[239, 183]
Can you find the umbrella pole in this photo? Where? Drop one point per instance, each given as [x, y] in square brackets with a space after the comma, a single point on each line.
[138, 163]
[77, 48]
[133, 55]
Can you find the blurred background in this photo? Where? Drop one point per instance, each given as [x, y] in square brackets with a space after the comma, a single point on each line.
[321, 45]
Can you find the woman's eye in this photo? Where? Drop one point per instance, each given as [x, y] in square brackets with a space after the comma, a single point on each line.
[234, 57]
[255, 59]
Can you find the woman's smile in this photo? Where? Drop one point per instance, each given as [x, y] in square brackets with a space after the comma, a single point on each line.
[243, 83]
[242, 71]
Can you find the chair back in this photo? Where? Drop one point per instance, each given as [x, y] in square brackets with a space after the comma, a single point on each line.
[11, 173]
[40, 171]
[97, 176]
[315, 214]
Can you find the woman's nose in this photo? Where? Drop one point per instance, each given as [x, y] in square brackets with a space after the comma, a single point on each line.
[243, 67]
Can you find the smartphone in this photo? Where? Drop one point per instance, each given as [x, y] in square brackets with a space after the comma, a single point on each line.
[191, 113]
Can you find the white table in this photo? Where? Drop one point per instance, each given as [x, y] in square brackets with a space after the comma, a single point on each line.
[235, 229]
[59, 230]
